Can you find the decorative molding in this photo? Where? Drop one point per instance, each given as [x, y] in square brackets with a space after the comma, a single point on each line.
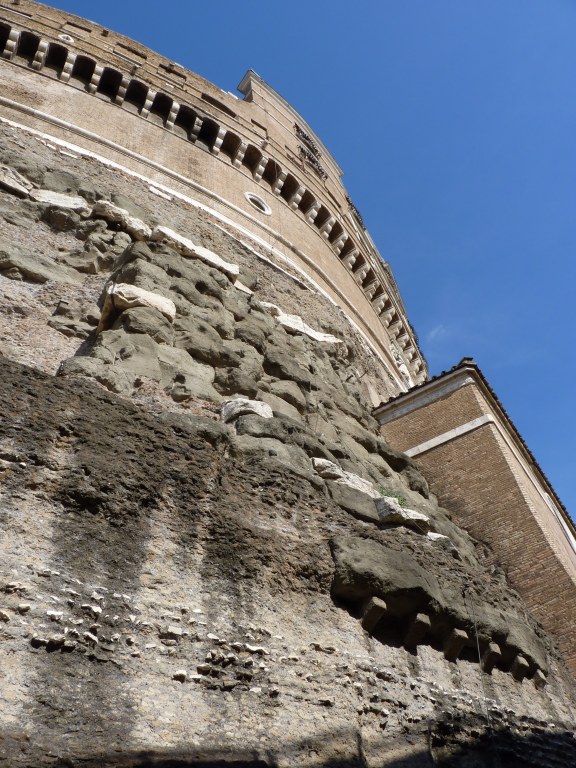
[413, 401]
[445, 437]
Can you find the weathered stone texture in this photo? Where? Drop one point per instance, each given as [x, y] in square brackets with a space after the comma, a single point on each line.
[182, 589]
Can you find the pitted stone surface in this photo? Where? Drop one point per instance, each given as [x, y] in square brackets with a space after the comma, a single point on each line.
[179, 568]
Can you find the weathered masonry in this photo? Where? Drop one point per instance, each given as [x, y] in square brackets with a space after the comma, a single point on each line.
[254, 162]
[464, 442]
[210, 554]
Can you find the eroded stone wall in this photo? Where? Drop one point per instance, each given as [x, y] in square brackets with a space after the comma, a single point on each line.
[209, 555]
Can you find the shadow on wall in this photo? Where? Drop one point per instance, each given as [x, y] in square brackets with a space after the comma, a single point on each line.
[497, 749]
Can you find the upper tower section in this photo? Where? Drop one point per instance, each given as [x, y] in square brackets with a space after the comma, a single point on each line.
[253, 163]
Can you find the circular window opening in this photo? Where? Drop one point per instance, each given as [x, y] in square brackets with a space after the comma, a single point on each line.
[258, 203]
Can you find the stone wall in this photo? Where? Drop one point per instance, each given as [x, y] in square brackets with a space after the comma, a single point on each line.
[209, 554]
[254, 162]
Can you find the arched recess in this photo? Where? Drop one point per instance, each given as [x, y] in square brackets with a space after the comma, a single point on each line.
[135, 97]
[160, 109]
[306, 202]
[336, 232]
[252, 157]
[109, 83]
[208, 133]
[272, 172]
[82, 71]
[4, 34]
[230, 145]
[289, 187]
[322, 216]
[27, 46]
[55, 59]
[185, 122]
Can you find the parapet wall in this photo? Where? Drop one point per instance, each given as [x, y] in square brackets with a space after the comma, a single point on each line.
[254, 162]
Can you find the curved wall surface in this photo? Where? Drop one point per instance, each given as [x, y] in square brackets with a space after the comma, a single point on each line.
[210, 556]
[109, 95]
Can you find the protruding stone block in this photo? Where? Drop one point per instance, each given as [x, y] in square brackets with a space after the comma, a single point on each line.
[279, 183]
[491, 657]
[338, 244]
[218, 141]
[68, 66]
[312, 212]
[11, 44]
[361, 273]
[296, 197]
[327, 469]
[418, 630]
[391, 512]
[350, 259]
[454, 644]
[96, 75]
[121, 296]
[295, 325]
[520, 668]
[539, 679]
[14, 182]
[239, 154]
[136, 228]
[259, 170]
[370, 288]
[150, 96]
[327, 227]
[373, 612]
[187, 248]
[330, 471]
[60, 200]
[354, 501]
[240, 406]
[40, 55]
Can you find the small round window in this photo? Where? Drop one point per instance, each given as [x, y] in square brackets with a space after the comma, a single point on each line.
[258, 203]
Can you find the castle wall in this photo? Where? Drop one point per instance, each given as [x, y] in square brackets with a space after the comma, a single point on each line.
[172, 126]
[209, 554]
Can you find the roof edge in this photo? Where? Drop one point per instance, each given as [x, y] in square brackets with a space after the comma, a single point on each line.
[468, 366]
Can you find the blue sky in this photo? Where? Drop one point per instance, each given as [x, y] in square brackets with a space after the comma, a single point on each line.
[455, 124]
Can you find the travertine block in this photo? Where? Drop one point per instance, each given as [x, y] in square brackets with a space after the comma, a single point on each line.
[418, 630]
[454, 644]
[373, 612]
[491, 656]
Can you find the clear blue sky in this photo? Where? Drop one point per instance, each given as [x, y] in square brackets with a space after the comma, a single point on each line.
[455, 124]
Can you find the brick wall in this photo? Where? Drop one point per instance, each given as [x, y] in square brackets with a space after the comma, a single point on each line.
[491, 487]
[439, 416]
